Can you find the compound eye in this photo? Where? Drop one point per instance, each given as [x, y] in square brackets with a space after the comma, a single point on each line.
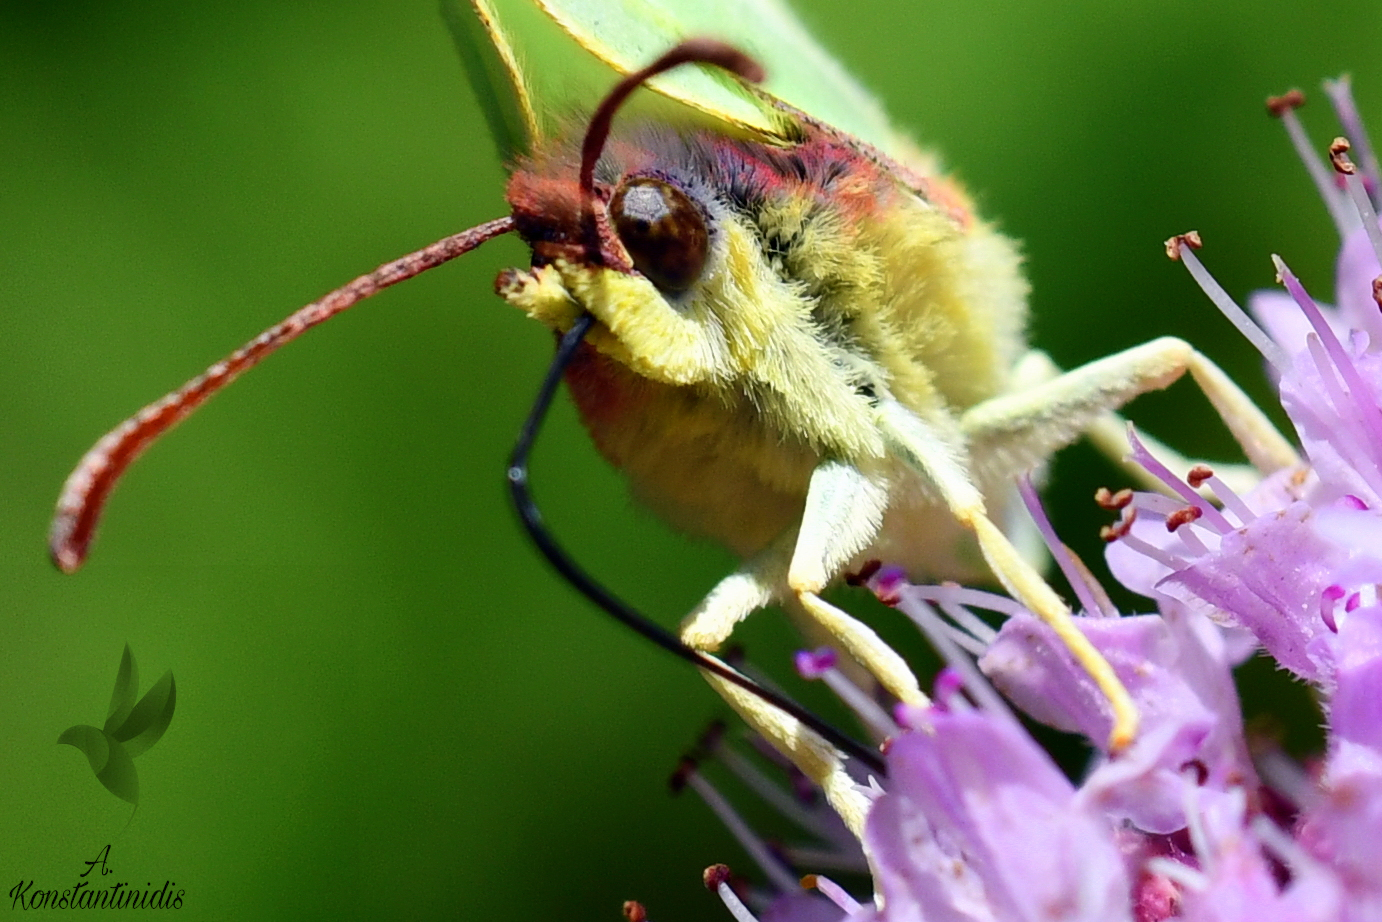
[663, 231]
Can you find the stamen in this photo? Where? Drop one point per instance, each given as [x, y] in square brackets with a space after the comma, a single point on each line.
[716, 878]
[751, 842]
[911, 603]
[1201, 475]
[1357, 191]
[885, 584]
[1142, 456]
[970, 623]
[887, 587]
[634, 911]
[1121, 528]
[820, 664]
[1106, 608]
[1192, 541]
[1197, 475]
[1156, 505]
[1340, 94]
[1113, 501]
[1165, 558]
[1182, 516]
[1282, 846]
[829, 859]
[948, 691]
[1284, 108]
[1359, 395]
[784, 802]
[1342, 437]
[1179, 248]
[965, 640]
[962, 595]
[1059, 552]
[831, 891]
[1283, 775]
[813, 664]
[1194, 826]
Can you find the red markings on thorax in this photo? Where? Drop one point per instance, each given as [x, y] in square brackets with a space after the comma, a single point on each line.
[828, 166]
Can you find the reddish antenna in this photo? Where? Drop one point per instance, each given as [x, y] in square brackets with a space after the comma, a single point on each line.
[692, 51]
[85, 492]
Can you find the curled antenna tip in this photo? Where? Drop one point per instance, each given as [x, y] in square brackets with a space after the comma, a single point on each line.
[719, 54]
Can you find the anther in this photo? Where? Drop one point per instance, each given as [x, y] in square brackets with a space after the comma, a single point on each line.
[1277, 106]
[711, 738]
[1189, 239]
[681, 775]
[1338, 156]
[887, 585]
[714, 876]
[1198, 475]
[1113, 501]
[1198, 770]
[813, 664]
[634, 911]
[716, 879]
[871, 567]
[1182, 516]
[1119, 529]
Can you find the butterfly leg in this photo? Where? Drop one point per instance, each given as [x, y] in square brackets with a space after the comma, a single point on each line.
[816, 758]
[1027, 425]
[1030, 424]
[759, 582]
[935, 450]
[844, 509]
[1108, 431]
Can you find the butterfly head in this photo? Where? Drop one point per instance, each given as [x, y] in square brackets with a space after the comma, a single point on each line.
[628, 230]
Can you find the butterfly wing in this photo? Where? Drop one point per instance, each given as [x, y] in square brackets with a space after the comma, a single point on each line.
[534, 61]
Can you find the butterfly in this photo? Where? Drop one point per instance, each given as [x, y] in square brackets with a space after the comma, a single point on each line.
[802, 340]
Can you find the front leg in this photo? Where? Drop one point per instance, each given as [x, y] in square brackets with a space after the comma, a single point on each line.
[844, 510]
[930, 448]
[1021, 429]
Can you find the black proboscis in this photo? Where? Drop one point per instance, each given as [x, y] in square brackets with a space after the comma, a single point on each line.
[616, 608]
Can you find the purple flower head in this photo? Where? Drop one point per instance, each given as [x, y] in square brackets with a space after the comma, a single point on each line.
[978, 823]
[974, 821]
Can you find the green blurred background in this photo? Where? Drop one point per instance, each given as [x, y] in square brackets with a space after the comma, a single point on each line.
[388, 706]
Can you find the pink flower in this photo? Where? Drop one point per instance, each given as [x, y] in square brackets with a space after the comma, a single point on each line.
[975, 822]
